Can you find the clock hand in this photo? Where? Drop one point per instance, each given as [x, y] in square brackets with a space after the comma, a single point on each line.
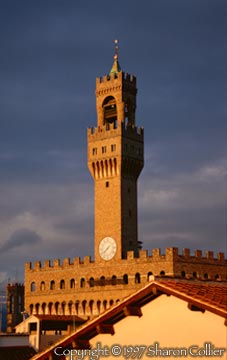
[106, 249]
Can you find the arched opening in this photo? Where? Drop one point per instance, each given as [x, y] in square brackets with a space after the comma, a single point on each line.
[150, 276]
[50, 308]
[31, 306]
[111, 302]
[56, 306]
[216, 277]
[162, 273]
[102, 280]
[70, 306]
[206, 276]
[91, 282]
[91, 305]
[137, 278]
[125, 279]
[194, 274]
[84, 303]
[37, 308]
[33, 286]
[52, 285]
[105, 304]
[99, 306]
[62, 284]
[42, 286]
[114, 280]
[82, 282]
[77, 303]
[44, 308]
[110, 110]
[63, 305]
[183, 274]
[72, 284]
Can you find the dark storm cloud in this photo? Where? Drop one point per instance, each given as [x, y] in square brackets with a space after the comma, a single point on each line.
[51, 52]
[21, 237]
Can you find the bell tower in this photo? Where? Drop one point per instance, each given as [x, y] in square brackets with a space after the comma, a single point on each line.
[115, 160]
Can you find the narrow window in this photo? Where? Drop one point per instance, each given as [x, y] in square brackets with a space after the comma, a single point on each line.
[62, 284]
[52, 285]
[103, 149]
[113, 147]
[33, 286]
[94, 151]
[107, 183]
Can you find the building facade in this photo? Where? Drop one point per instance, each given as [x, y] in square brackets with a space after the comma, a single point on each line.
[120, 267]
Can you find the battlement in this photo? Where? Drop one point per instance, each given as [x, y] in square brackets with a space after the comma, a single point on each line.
[110, 130]
[121, 76]
[171, 254]
[11, 286]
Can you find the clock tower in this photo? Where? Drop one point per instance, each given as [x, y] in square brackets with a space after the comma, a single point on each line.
[115, 160]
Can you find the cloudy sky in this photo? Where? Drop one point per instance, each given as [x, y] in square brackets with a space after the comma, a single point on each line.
[51, 52]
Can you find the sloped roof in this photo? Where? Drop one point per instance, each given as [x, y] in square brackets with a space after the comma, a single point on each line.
[16, 352]
[199, 295]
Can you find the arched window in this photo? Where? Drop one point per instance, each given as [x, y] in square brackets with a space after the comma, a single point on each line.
[111, 302]
[82, 282]
[72, 284]
[194, 274]
[216, 277]
[162, 273]
[92, 282]
[125, 279]
[52, 285]
[110, 110]
[33, 286]
[62, 284]
[114, 280]
[150, 276]
[42, 286]
[183, 274]
[137, 278]
[102, 280]
[206, 276]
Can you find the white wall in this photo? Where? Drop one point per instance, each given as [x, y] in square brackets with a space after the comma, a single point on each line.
[168, 321]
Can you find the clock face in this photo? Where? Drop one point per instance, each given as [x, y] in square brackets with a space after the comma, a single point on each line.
[107, 248]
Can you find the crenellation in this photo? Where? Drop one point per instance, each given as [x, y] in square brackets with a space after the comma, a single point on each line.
[198, 254]
[210, 255]
[186, 253]
[143, 254]
[221, 257]
[56, 263]
[46, 264]
[37, 265]
[130, 255]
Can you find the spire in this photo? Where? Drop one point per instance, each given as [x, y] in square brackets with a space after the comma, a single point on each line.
[116, 66]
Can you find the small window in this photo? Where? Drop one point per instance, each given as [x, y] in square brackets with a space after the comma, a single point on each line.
[103, 149]
[125, 279]
[42, 286]
[113, 147]
[82, 282]
[62, 284]
[33, 286]
[52, 285]
[107, 183]
[94, 151]
[137, 278]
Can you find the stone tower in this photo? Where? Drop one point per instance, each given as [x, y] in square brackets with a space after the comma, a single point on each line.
[15, 305]
[115, 160]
